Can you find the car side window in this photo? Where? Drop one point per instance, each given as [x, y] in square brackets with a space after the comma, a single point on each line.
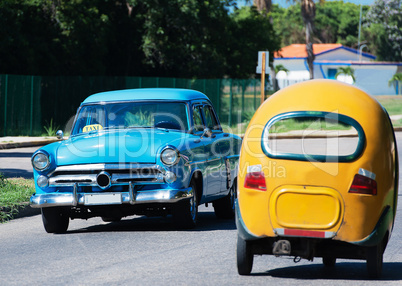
[210, 120]
[197, 119]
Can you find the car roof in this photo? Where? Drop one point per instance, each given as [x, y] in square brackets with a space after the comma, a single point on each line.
[146, 94]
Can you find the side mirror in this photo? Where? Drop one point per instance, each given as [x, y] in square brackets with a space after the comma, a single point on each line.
[60, 134]
[207, 133]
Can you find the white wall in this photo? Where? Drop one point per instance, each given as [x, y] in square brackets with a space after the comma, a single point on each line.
[297, 72]
[374, 78]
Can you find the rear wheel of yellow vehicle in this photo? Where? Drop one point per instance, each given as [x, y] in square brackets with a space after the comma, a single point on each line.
[245, 256]
[329, 261]
[374, 261]
[225, 207]
[55, 219]
[185, 213]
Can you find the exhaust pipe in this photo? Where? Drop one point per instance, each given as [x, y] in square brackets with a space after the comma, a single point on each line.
[281, 247]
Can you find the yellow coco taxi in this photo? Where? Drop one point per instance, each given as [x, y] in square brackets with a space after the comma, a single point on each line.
[318, 177]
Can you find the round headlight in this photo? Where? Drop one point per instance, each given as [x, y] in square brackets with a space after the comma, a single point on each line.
[169, 177]
[42, 181]
[169, 156]
[40, 161]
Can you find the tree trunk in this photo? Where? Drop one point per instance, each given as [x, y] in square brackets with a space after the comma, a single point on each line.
[263, 5]
[308, 14]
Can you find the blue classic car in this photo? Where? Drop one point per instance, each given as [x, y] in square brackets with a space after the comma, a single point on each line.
[151, 152]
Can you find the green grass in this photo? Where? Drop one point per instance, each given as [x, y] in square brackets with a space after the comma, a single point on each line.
[393, 104]
[14, 192]
[287, 125]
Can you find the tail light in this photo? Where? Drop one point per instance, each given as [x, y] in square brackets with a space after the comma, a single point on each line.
[363, 185]
[255, 180]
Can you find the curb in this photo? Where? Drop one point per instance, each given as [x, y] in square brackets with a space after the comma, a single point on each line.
[26, 211]
[23, 210]
[12, 145]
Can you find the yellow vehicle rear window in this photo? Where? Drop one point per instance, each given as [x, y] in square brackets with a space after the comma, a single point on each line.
[318, 136]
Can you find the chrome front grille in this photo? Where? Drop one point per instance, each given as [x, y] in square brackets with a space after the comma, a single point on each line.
[120, 174]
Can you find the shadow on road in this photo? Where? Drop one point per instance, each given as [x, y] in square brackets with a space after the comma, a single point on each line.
[14, 173]
[16, 154]
[342, 271]
[207, 221]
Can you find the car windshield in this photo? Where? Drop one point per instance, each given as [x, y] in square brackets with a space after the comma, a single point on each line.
[167, 115]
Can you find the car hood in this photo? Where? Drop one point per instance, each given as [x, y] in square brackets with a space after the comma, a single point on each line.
[117, 146]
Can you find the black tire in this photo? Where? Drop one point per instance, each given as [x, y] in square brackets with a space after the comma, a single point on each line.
[55, 219]
[245, 256]
[329, 261]
[185, 213]
[225, 207]
[374, 261]
[111, 219]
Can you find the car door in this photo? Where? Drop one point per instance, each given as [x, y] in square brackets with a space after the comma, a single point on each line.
[216, 166]
[199, 153]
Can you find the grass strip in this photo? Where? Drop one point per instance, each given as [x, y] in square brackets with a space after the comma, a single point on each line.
[14, 193]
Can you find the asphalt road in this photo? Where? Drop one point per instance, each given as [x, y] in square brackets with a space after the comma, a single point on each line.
[149, 251]
[17, 162]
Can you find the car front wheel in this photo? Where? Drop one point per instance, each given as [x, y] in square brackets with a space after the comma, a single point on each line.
[55, 219]
[185, 213]
[225, 207]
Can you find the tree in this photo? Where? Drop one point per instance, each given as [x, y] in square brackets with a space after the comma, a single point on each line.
[308, 14]
[396, 81]
[335, 22]
[288, 24]
[277, 69]
[338, 22]
[263, 6]
[185, 38]
[347, 72]
[250, 31]
[30, 42]
[383, 29]
[163, 38]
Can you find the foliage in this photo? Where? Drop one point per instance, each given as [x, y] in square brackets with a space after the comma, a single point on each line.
[170, 38]
[13, 194]
[182, 37]
[137, 119]
[348, 71]
[250, 30]
[395, 77]
[51, 129]
[279, 68]
[383, 29]
[299, 124]
[288, 23]
[335, 22]
[338, 22]
[29, 39]
[396, 81]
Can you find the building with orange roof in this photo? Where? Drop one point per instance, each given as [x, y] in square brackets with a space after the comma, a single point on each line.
[370, 75]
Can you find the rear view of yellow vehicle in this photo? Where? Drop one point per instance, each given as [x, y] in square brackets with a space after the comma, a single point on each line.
[318, 177]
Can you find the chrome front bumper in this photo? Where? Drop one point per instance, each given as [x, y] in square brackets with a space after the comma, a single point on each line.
[130, 197]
